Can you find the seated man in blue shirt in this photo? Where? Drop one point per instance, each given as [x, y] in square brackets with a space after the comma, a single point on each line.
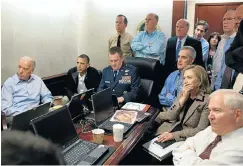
[173, 83]
[150, 43]
[200, 30]
[24, 90]
[120, 77]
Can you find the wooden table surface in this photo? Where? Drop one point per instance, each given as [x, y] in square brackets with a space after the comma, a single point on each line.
[124, 147]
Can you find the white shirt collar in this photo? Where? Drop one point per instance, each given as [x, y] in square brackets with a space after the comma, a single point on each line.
[81, 77]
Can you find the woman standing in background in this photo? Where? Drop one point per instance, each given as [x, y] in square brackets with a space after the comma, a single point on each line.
[213, 41]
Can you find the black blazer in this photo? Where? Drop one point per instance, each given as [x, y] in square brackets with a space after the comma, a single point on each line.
[92, 80]
[170, 58]
[234, 55]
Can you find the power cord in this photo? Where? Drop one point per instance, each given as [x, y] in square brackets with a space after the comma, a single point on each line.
[85, 125]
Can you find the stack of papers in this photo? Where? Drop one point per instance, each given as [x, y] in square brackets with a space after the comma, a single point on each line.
[157, 151]
[124, 116]
[134, 106]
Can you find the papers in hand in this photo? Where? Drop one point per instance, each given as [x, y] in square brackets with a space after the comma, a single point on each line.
[134, 106]
[124, 116]
[157, 151]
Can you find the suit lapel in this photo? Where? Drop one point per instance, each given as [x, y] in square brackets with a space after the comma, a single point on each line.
[187, 41]
[75, 78]
[198, 100]
[173, 44]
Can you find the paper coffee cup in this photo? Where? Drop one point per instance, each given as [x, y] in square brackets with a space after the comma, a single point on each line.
[118, 132]
[98, 135]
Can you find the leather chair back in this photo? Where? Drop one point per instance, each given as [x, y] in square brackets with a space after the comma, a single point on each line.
[151, 74]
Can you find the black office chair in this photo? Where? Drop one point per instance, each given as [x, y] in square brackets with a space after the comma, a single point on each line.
[145, 90]
[151, 74]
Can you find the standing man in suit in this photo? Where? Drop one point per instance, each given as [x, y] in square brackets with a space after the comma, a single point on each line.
[175, 43]
[120, 77]
[234, 55]
[122, 39]
[84, 76]
[150, 43]
[222, 75]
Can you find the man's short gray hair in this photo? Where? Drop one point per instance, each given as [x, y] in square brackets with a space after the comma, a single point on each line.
[232, 99]
[192, 50]
[27, 58]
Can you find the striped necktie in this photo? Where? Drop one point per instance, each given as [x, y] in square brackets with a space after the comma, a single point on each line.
[206, 153]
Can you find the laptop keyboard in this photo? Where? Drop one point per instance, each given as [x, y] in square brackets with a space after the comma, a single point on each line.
[79, 152]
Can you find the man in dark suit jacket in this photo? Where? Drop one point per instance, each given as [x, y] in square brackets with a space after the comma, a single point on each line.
[84, 77]
[175, 43]
[120, 77]
[234, 55]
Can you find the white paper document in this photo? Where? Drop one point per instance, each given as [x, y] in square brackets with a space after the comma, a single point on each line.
[134, 106]
[159, 152]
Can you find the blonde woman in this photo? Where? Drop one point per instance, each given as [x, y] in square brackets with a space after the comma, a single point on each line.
[189, 113]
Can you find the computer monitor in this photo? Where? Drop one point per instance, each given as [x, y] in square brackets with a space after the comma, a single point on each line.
[22, 121]
[56, 126]
[80, 104]
[102, 105]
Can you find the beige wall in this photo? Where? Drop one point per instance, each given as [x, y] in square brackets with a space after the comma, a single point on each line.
[55, 32]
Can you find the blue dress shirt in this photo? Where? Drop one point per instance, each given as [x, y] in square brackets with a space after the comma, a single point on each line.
[19, 96]
[205, 48]
[171, 89]
[151, 45]
[219, 78]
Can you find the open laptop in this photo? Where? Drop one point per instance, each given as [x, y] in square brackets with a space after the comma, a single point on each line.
[80, 104]
[103, 111]
[58, 127]
[22, 121]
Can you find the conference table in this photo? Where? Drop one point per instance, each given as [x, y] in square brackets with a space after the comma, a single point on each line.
[123, 148]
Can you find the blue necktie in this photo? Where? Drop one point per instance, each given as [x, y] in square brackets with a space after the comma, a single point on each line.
[227, 44]
[178, 48]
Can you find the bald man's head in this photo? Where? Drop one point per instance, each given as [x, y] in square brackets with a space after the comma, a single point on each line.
[228, 22]
[238, 16]
[151, 22]
[26, 67]
[182, 27]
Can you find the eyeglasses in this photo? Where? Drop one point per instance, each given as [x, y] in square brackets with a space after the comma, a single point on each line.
[238, 18]
[228, 19]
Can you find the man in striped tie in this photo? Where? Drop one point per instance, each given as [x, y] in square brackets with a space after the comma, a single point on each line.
[221, 142]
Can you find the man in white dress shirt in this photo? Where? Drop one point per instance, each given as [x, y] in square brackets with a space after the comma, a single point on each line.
[222, 142]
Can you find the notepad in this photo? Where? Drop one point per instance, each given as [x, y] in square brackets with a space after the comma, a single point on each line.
[159, 152]
[134, 106]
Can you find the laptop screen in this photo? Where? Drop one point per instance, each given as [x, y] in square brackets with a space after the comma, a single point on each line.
[102, 105]
[79, 102]
[56, 126]
[22, 121]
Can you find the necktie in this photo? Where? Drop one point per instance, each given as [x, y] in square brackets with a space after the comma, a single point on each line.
[119, 41]
[206, 153]
[178, 48]
[227, 44]
[115, 74]
[226, 80]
